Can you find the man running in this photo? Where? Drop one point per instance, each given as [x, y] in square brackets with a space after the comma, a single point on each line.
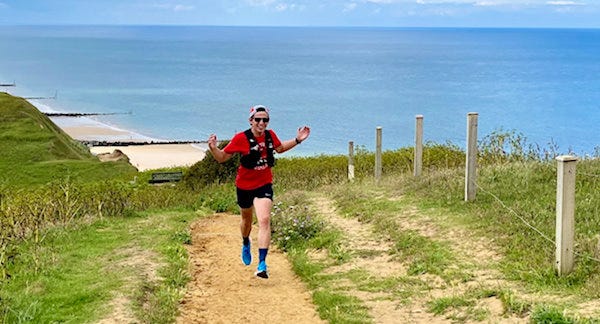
[254, 178]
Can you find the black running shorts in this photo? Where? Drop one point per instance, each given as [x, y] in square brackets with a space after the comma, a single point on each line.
[245, 198]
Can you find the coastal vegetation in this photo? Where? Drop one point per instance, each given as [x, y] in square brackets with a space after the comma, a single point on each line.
[76, 232]
[67, 220]
[35, 151]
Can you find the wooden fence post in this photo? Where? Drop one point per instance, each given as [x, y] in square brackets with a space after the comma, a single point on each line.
[418, 159]
[565, 213]
[378, 164]
[471, 167]
[351, 161]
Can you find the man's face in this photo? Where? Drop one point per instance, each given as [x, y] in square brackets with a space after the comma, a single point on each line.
[259, 121]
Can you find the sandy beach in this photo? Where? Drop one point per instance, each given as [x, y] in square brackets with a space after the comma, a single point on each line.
[143, 157]
[156, 156]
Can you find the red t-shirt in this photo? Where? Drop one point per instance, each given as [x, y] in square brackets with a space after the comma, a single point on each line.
[248, 179]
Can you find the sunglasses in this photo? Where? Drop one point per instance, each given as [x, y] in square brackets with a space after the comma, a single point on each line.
[258, 119]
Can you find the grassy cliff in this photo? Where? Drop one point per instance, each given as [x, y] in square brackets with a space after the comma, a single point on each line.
[35, 151]
[67, 222]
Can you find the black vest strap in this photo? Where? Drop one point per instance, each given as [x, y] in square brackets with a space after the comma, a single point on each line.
[253, 159]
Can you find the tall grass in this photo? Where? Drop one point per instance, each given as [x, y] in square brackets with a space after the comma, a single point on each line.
[79, 274]
[27, 213]
[312, 172]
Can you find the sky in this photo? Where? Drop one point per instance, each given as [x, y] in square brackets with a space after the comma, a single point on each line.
[384, 13]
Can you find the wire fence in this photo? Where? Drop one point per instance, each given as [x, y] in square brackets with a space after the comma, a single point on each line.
[591, 175]
[528, 224]
[472, 185]
[512, 211]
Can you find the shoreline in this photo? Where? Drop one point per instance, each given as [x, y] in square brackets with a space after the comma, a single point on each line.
[156, 154]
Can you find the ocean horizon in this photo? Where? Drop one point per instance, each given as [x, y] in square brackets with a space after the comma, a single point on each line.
[185, 82]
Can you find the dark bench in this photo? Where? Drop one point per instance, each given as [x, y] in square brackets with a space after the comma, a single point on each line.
[161, 177]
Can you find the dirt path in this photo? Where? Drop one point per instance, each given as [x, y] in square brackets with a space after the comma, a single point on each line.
[223, 290]
[388, 308]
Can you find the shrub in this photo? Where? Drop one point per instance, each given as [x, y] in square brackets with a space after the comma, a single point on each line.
[292, 225]
[208, 171]
[220, 198]
[502, 146]
[310, 172]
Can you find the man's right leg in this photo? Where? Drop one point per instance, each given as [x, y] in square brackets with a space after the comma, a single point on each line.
[245, 228]
[246, 222]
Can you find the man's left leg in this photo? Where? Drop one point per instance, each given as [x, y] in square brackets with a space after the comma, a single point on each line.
[262, 208]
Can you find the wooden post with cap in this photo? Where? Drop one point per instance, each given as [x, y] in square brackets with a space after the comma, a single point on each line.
[351, 161]
[471, 157]
[565, 213]
[418, 156]
[378, 164]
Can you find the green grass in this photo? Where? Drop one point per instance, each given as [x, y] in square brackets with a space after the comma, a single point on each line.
[441, 305]
[551, 315]
[72, 275]
[340, 308]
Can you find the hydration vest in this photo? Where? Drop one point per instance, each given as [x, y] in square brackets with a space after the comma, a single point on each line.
[253, 159]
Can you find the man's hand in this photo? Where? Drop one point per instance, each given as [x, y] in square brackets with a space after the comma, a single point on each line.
[212, 141]
[303, 133]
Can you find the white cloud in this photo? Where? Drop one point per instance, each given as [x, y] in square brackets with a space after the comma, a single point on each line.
[275, 4]
[180, 7]
[479, 2]
[486, 4]
[297, 7]
[427, 2]
[493, 3]
[174, 7]
[421, 1]
[350, 6]
[261, 3]
[564, 3]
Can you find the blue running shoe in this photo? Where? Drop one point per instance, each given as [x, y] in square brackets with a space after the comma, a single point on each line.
[261, 271]
[246, 254]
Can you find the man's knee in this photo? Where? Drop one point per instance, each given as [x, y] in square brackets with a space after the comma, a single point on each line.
[264, 222]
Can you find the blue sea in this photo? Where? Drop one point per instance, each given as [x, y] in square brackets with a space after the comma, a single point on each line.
[184, 83]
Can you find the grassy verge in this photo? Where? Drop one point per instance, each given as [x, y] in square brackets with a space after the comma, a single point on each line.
[515, 208]
[514, 198]
[91, 272]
